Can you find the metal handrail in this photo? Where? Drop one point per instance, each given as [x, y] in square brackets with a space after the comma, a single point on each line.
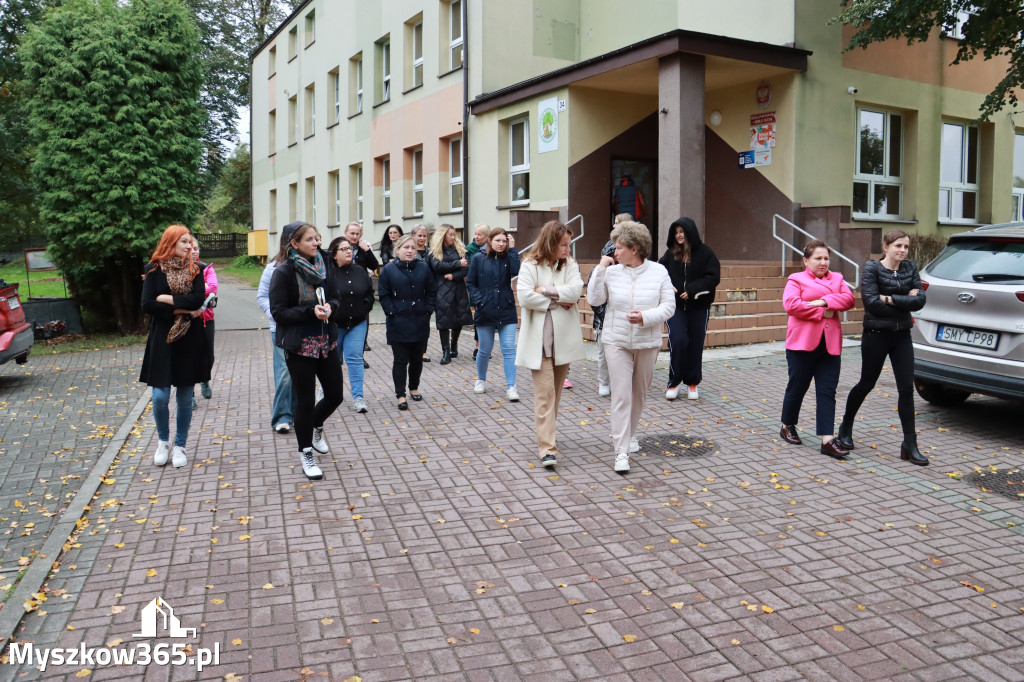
[775, 233]
[572, 242]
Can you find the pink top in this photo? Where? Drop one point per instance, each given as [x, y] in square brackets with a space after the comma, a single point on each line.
[807, 323]
[210, 277]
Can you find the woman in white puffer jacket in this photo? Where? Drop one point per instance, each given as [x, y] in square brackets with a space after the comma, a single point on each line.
[639, 298]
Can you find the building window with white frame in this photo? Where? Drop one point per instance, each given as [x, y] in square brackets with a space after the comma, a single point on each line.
[357, 191]
[355, 79]
[956, 30]
[272, 61]
[293, 43]
[1018, 178]
[311, 201]
[519, 161]
[417, 55]
[384, 70]
[455, 32]
[310, 28]
[417, 181]
[310, 113]
[455, 174]
[385, 185]
[334, 197]
[334, 85]
[958, 173]
[878, 180]
[293, 123]
[272, 133]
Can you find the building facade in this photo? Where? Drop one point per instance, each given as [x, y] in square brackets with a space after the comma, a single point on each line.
[514, 113]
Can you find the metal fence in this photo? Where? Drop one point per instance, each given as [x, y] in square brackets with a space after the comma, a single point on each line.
[222, 245]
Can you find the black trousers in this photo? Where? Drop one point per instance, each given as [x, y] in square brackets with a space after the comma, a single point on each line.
[875, 346]
[687, 329]
[304, 371]
[805, 365]
[408, 359]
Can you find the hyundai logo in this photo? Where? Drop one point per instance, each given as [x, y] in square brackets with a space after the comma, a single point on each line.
[965, 297]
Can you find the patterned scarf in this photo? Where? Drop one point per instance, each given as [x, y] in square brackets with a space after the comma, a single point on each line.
[179, 278]
[310, 275]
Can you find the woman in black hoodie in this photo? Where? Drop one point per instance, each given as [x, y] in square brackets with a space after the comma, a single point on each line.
[695, 273]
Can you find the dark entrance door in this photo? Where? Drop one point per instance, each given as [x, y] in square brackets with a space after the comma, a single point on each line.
[645, 176]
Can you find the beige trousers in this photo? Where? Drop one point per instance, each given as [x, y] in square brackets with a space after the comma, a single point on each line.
[630, 373]
[547, 391]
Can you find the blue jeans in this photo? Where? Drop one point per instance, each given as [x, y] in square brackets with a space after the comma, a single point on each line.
[282, 410]
[350, 350]
[507, 339]
[162, 415]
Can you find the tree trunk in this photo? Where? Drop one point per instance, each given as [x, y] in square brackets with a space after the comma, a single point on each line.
[124, 282]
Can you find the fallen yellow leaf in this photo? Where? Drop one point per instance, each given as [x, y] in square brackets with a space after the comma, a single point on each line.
[474, 631]
[629, 638]
[150, 573]
[838, 628]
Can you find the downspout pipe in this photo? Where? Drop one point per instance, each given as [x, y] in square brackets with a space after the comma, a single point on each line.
[465, 123]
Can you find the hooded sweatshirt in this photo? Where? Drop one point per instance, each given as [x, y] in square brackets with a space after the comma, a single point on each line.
[701, 275]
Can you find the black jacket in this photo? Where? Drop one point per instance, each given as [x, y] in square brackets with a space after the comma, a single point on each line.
[597, 322]
[295, 321]
[186, 361]
[452, 296]
[355, 295]
[700, 276]
[876, 281]
[365, 258]
[408, 294]
[490, 288]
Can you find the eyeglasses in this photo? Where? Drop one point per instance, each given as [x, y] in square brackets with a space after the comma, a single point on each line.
[344, 248]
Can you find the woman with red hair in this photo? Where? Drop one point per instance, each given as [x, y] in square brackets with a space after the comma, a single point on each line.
[176, 352]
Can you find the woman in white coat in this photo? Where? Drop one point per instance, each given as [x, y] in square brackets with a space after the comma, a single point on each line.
[639, 298]
[550, 336]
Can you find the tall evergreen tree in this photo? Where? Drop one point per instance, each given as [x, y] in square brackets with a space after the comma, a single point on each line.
[115, 111]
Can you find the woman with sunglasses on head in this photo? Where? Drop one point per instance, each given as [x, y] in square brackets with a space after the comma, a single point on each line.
[176, 354]
[303, 301]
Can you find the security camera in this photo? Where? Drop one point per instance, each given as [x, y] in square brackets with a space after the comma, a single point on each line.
[852, 90]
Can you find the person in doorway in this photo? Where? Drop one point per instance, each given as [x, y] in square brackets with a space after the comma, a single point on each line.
[355, 300]
[627, 198]
[597, 321]
[640, 298]
[891, 289]
[695, 273]
[549, 287]
[176, 349]
[447, 259]
[490, 288]
[282, 408]
[814, 340]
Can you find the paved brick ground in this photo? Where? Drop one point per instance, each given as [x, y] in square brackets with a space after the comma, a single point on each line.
[435, 550]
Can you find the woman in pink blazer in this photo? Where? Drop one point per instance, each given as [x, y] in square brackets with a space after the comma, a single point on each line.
[814, 340]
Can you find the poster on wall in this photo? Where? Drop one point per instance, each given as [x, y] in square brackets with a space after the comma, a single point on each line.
[547, 125]
[755, 158]
[762, 131]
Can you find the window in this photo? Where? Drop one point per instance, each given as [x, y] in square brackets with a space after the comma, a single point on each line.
[272, 211]
[417, 181]
[334, 92]
[455, 174]
[310, 28]
[356, 194]
[414, 47]
[310, 111]
[385, 164]
[272, 61]
[272, 133]
[956, 31]
[1018, 177]
[293, 201]
[384, 70]
[293, 124]
[293, 43]
[519, 161]
[355, 79]
[958, 174]
[878, 180]
[334, 197]
[311, 201]
[455, 34]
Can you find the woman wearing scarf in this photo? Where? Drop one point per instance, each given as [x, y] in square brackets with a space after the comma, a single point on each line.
[176, 351]
[303, 298]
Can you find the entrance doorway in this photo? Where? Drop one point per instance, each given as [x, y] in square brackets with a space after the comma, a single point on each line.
[645, 176]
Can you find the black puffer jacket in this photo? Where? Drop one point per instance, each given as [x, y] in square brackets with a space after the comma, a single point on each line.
[408, 294]
[700, 276]
[876, 281]
[452, 308]
[490, 287]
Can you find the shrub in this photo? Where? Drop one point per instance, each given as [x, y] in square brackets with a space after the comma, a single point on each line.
[925, 247]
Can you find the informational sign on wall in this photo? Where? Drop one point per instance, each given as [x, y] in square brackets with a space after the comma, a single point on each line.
[752, 159]
[762, 141]
[547, 125]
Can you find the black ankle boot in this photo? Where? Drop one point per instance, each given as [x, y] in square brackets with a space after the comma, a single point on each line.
[909, 452]
[446, 351]
[455, 341]
[845, 435]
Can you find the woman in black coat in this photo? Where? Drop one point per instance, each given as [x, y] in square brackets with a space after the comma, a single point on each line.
[408, 292]
[490, 288]
[891, 289]
[304, 301]
[177, 353]
[355, 300]
[387, 244]
[695, 272]
[447, 258]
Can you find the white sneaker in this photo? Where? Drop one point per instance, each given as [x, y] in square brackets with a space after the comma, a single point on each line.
[512, 394]
[163, 448]
[692, 393]
[178, 457]
[478, 387]
[634, 444]
[672, 393]
[359, 405]
[283, 427]
[319, 442]
[309, 465]
[622, 462]
[604, 390]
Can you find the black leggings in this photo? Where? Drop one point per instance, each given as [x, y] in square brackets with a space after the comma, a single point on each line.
[875, 346]
[303, 372]
[407, 356]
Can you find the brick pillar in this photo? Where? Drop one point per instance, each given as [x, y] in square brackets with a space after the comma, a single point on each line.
[680, 141]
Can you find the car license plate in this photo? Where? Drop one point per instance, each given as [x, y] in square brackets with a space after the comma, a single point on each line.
[13, 303]
[967, 337]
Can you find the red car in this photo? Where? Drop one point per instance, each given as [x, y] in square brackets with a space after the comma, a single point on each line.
[16, 335]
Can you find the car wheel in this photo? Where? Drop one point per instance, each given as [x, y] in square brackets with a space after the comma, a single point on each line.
[940, 395]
